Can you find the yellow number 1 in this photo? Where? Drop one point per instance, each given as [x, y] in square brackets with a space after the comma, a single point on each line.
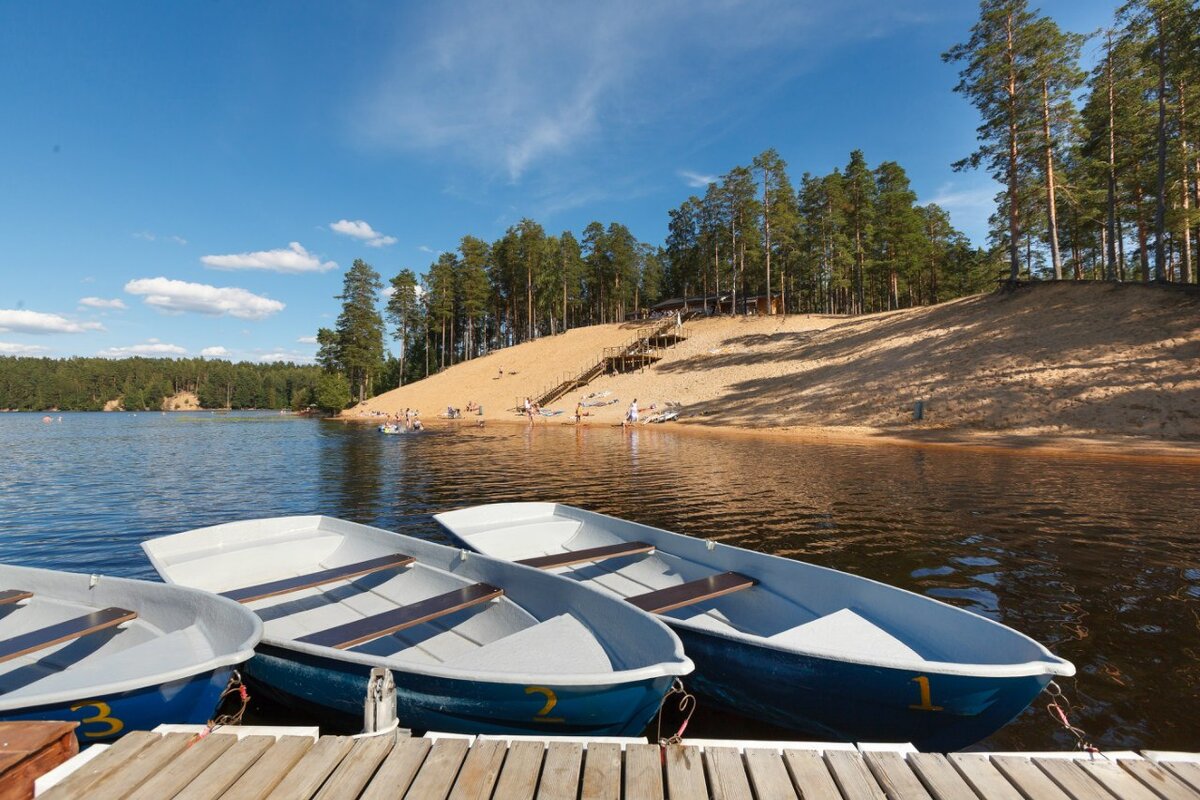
[115, 725]
[926, 704]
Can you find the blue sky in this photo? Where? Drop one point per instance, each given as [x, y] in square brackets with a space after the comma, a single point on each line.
[188, 179]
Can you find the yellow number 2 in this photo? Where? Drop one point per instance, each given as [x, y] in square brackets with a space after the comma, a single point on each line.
[551, 702]
[114, 725]
[926, 704]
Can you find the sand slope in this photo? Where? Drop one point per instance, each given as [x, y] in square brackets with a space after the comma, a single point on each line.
[1061, 359]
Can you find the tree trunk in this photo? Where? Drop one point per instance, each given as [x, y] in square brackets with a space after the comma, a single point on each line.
[1186, 231]
[1051, 210]
[1111, 271]
[767, 237]
[1160, 206]
[1014, 218]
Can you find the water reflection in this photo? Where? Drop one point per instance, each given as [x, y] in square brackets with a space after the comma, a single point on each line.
[1078, 555]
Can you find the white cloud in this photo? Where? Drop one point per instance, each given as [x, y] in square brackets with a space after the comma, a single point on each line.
[695, 179]
[359, 229]
[286, 355]
[25, 321]
[388, 291]
[145, 236]
[100, 302]
[170, 295]
[216, 351]
[307, 340]
[15, 349]
[424, 248]
[178, 240]
[149, 236]
[292, 259]
[151, 347]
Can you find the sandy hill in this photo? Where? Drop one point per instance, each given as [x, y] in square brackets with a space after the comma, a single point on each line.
[1063, 359]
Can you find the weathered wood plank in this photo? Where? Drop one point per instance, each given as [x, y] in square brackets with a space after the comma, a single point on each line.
[940, 777]
[1026, 778]
[519, 775]
[29, 750]
[768, 775]
[1067, 775]
[1117, 780]
[726, 774]
[139, 769]
[560, 772]
[480, 771]
[811, 776]
[304, 779]
[441, 766]
[354, 773]
[601, 772]
[895, 776]
[398, 770]
[852, 776]
[225, 771]
[78, 782]
[1186, 771]
[983, 777]
[643, 772]
[1158, 780]
[685, 773]
[195, 758]
[265, 774]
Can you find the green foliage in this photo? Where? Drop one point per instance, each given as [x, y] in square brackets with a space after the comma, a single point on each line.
[358, 348]
[332, 392]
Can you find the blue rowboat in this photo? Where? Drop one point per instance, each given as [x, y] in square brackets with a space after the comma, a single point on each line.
[476, 644]
[114, 654]
[790, 643]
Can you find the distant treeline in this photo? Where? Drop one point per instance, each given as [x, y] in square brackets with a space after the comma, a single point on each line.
[87, 384]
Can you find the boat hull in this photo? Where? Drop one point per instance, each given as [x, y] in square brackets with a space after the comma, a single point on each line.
[108, 717]
[844, 701]
[450, 705]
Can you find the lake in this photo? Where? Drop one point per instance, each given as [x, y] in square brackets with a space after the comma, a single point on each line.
[1098, 560]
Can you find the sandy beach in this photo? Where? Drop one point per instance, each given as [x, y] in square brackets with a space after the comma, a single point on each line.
[1098, 368]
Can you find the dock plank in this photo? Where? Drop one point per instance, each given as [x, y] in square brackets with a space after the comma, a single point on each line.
[304, 779]
[601, 772]
[81, 780]
[685, 773]
[29, 750]
[1026, 778]
[271, 767]
[480, 771]
[398, 770]
[142, 767]
[726, 773]
[195, 758]
[940, 777]
[1159, 780]
[352, 775]
[852, 776]
[811, 775]
[768, 775]
[218, 776]
[643, 772]
[437, 774]
[895, 776]
[560, 772]
[1067, 775]
[1116, 780]
[519, 775]
[1186, 771]
[982, 775]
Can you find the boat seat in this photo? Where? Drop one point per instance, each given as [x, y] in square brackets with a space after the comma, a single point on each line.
[51, 635]
[590, 554]
[342, 573]
[10, 596]
[363, 630]
[686, 594]
[561, 644]
[845, 632]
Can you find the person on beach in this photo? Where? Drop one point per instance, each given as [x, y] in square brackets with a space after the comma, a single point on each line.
[578, 412]
[632, 416]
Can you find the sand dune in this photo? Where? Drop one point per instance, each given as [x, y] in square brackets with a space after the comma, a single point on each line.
[1074, 360]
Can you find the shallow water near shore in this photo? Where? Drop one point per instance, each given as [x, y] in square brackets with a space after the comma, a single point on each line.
[1100, 561]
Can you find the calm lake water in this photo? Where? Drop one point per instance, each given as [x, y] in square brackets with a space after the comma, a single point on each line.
[1099, 561]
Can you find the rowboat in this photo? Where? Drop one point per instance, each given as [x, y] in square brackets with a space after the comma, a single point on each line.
[115, 654]
[476, 644]
[798, 645]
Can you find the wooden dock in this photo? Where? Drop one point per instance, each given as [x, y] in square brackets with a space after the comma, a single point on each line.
[153, 766]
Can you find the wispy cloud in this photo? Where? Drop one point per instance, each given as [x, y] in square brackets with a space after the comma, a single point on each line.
[175, 296]
[307, 340]
[149, 236]
[20, 320]
[358, 229]
[956, 199]
[115, 304]
[696, 179]
[16, 349]
[151, 347]
[216, 351]
[424, 248]
[291, 259]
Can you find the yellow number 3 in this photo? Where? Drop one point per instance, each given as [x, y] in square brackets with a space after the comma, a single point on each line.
[114, 725]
